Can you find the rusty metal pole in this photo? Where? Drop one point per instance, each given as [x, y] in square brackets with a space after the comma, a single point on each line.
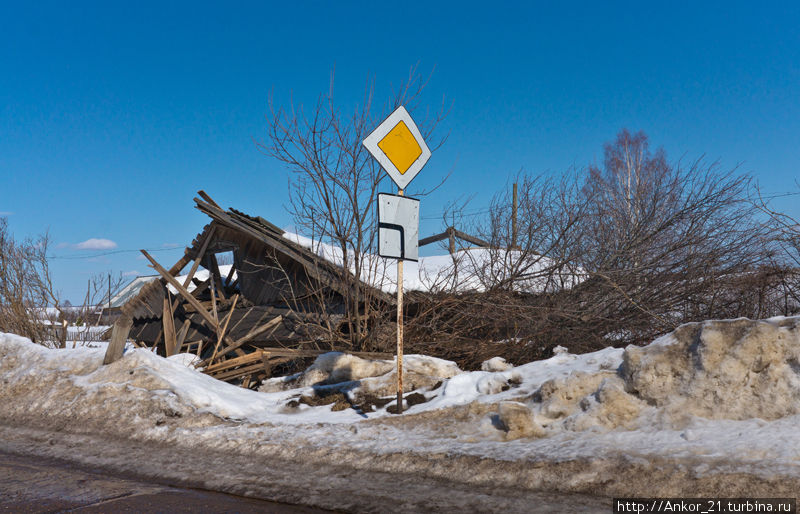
[400, 331]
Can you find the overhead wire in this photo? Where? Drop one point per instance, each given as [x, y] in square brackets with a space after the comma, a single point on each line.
[113, 252]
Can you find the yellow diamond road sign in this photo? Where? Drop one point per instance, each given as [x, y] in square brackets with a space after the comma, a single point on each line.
[398, 146]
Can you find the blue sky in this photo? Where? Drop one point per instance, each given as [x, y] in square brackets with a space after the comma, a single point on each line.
[113, 115]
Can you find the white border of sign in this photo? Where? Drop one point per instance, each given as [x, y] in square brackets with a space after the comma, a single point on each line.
[372, 140]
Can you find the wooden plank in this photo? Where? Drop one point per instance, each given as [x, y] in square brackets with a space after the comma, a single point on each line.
[283, 352]
[214, 311]
[216, 274]
[182, 262]
[182, 334]
[224, 328]
[241, 319]
[449, 233]
[158, 338]
[471, 239]
[196, 263]
[232, 363]
[259, 358]
[432, 239]
[170, 340]
[119, 335]
[230, 375]
[183, 292]
[200, 287]
[230, 276]
[267, 364]
[316, 267]
[213, 324]
[199, 256]
[208, 199]
[272, 324]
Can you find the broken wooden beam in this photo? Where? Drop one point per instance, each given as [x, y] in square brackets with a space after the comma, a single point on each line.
[199, 256]
[224, 329]
[197, 260]
[294, 353]
[208, 199]
[183, 292]
[182, 334]
[450, 233]
[273, 323]
[119, 335]
[216, 275]
[170, 338]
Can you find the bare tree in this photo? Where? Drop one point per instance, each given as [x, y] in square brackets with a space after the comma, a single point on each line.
[100, 289]
[786, 231]
[334, 183]
[785, 226]
[667, 240]
[611, 256]
[26, 288]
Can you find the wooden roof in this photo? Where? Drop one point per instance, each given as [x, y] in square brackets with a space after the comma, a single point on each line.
[148, 303]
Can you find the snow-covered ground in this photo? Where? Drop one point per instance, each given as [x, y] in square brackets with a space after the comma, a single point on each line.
[710, 408]
[466, 270]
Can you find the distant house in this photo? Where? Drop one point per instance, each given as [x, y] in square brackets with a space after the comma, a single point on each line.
[131, 290]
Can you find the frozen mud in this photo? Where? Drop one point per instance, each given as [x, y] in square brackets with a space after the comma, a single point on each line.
[710, 407]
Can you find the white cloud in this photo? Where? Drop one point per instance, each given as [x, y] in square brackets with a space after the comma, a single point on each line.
[96, 244]
[131, 273]
[170, 245]
[6, 213]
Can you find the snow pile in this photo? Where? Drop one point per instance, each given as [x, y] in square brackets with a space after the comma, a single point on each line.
[696, 410]
[726, 370]
[357, 376]
[43, 383]
[495, 364]
[187, 359]
[733, 370]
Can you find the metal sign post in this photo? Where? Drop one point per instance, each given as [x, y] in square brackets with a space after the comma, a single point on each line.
[400, 331]
[400, 149]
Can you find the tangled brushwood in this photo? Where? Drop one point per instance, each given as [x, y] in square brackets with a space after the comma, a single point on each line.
[612, 256]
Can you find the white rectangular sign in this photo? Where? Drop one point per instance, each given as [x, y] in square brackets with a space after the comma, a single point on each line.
[398, 227]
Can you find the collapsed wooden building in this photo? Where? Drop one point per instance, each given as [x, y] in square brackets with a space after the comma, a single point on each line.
[274, 304]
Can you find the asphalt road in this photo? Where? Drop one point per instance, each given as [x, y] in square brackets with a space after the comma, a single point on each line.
[35, 484]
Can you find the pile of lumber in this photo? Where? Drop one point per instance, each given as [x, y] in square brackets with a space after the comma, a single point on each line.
[238, 324]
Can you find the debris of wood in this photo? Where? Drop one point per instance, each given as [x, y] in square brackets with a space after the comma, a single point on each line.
[246, 321]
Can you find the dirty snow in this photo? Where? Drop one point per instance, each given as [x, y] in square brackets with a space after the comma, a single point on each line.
[710, 400]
